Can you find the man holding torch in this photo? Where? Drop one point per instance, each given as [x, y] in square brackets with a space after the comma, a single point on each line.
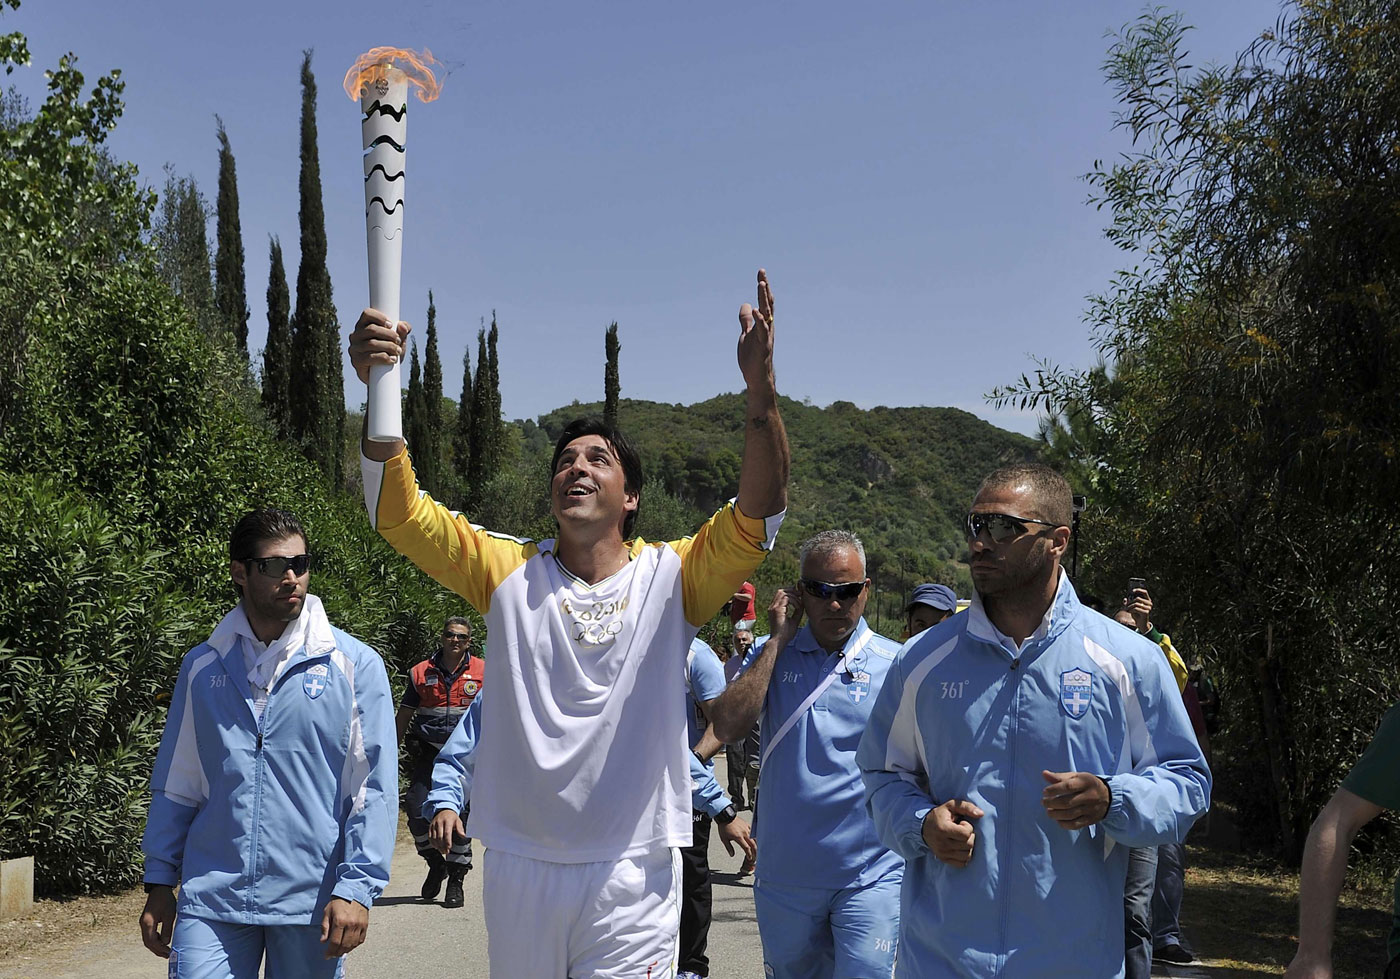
[581, 794]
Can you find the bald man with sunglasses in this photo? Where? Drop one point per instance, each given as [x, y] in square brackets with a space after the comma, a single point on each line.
[1017, 752]
[826, 891]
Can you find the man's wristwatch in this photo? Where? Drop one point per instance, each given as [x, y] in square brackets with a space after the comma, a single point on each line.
[727, 816]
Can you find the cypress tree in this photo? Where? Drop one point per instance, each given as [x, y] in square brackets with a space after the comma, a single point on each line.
[478, 462]
[277, 354]
[462, 435]
[432, 403]
[317, 384]
[495, 431]
[414, 412]
[230, 289]
[612, 386]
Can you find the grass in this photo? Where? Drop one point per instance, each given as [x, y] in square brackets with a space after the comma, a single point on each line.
[1241, 915]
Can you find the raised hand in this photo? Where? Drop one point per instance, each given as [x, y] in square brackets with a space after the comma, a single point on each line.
[756, 336]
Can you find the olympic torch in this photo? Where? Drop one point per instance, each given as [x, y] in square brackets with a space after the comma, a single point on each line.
[380, 79]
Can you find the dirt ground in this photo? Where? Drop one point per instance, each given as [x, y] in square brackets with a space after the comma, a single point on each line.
[55, 924]
[1240, 913]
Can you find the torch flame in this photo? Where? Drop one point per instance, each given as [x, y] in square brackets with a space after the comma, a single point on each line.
[376, 63]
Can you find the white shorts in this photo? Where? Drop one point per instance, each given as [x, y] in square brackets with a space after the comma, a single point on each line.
[617, 919]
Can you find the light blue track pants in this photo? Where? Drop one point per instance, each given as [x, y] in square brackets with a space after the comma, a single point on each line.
[204, 949]
[813, 933]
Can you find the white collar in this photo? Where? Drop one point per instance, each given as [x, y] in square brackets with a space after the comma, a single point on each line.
[309, 631]
[981, 626]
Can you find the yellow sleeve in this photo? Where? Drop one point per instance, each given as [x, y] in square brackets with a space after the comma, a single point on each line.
[1174, 659]
[718, 559]
[444, 544]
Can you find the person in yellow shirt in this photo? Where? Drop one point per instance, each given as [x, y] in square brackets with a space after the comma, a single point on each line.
[581, 791]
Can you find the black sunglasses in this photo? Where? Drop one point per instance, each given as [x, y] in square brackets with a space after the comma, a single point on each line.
[1000, 526]
[826, 591]
[456, 637]
[276, 567]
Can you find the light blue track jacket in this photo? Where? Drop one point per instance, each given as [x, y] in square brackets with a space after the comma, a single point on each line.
[964, 716]
[262, 823]
[815, 831]
[452, 772]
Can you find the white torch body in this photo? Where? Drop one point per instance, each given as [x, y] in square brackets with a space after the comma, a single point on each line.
[383, 128]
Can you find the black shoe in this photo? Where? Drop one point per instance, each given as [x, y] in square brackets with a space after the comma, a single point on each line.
[1173, 955]
[454, 897]
[437, 872]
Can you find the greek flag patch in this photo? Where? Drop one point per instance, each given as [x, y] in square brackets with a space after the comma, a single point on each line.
[1076, 692]
[315, 680]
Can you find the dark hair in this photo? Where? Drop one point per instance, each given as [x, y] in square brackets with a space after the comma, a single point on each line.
[632, 479]
[260, 525]
[1050, 491]
[457, 620]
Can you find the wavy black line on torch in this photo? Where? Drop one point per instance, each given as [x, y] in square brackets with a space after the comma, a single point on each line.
[387, 175]
[383, 109]
[385, 139]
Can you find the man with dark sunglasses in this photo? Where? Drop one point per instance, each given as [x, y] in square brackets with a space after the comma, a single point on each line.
[275, 790]
[1017, 752]
[826, 892]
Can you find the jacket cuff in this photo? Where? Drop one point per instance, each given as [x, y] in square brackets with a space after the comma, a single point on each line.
[1117, 815]
[914, 836]
[354, 891]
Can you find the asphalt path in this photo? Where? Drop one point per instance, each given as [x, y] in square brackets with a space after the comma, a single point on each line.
[410, 938]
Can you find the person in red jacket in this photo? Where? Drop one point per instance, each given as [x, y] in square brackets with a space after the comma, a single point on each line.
[439, 692]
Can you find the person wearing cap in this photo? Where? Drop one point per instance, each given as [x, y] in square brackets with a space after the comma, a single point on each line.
[929, 605]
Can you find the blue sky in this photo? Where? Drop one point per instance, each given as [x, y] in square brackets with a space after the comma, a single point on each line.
[910, 174]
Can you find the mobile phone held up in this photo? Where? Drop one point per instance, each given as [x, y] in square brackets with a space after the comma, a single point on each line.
[1134, 584]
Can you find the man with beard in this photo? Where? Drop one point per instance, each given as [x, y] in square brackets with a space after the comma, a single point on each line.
[1017, 752]
[275, 789]
[826, 891]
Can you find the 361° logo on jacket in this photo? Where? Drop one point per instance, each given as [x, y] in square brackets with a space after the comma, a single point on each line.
[315, 680]
[1076, 692]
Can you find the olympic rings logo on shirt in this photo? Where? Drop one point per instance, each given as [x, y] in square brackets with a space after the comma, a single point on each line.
[596, 633]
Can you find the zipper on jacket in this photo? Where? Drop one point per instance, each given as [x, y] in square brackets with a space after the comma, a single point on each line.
[1004, 849]
[256, 836]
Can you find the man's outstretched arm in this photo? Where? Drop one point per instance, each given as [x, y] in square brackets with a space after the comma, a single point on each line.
[763, 476]
[1324, 870]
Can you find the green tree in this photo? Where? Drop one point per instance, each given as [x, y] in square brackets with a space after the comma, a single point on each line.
[1243, 438]
[462, 433]
[415, 411]
[494, 430]
[317, 385]
[230, 288]
[483, 428]
[277, 352]
[181, 238]
[432, 468]
[612, 386]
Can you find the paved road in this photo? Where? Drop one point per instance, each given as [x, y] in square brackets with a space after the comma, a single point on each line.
[409, 938]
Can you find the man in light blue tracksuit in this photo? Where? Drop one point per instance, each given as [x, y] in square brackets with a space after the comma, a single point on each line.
[826, 891]
[1016, 753]
[274, 796]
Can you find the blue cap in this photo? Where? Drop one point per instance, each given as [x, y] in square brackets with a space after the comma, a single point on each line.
[940, 597]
